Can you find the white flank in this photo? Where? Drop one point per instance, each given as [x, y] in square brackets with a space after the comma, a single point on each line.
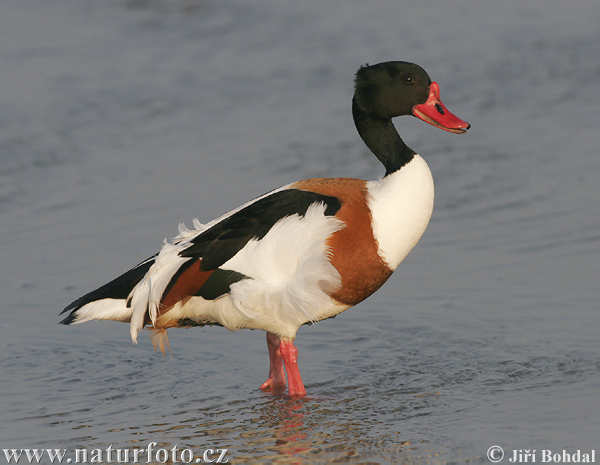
[401, 205]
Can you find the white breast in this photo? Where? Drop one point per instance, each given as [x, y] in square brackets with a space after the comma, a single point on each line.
[401, 205]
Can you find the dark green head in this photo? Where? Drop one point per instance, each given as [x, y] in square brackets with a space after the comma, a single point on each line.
[391, 89]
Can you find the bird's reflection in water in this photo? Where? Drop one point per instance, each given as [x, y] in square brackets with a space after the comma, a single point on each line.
[282, 430]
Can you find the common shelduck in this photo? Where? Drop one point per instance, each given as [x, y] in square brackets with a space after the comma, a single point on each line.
[298, 254]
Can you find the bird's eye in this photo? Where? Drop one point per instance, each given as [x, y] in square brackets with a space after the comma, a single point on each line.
[408, 79]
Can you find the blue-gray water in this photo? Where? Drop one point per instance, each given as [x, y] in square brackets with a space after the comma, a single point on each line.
[118, 120]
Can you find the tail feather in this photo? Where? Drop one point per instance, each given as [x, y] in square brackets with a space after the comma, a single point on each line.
[105, 309]
[108, 302]
[135, 296]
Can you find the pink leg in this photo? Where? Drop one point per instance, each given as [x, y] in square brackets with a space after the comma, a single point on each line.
[289, 353]
[276, 381]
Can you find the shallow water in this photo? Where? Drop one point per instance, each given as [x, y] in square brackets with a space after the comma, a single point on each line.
[118, 120]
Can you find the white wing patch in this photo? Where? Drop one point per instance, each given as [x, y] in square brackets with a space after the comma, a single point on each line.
[291, 270]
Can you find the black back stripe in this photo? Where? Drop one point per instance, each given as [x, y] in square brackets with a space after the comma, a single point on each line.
[225, 239]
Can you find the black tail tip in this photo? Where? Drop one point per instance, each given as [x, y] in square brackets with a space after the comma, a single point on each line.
[68, 320]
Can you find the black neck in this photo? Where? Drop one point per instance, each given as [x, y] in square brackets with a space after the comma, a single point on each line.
[383, 140]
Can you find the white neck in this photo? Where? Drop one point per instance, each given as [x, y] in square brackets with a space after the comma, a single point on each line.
[401, 205]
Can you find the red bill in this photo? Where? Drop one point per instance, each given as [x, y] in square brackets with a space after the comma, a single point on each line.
[434, 112]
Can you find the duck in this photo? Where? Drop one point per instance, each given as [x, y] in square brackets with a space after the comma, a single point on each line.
[298, 254]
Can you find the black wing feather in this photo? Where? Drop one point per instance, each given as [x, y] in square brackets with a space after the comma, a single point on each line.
[220, 243]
